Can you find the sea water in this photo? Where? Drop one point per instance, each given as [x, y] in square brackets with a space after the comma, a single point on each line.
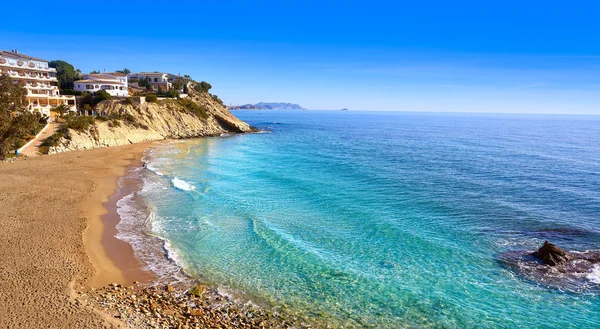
[384, 220]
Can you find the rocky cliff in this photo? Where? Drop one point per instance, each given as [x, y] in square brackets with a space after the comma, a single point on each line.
[122, 122]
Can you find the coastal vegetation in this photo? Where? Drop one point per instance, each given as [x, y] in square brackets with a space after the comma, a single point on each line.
[80, 123]
[193, 107]
[172, 93]
[124, 71]
[90, 100]
[65, 74]
[17, 123]
[143, 83]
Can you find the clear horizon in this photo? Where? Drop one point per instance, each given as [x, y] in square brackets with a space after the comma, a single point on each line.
[461, 57]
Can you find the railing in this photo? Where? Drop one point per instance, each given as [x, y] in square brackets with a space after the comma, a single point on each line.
[23, 75]
[37, 67]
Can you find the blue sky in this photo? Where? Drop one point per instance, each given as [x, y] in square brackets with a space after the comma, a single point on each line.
[509, 56]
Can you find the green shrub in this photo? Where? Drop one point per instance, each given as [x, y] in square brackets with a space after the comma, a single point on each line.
[151, 98]
[101, 95]
[51, 141]
[18, 144]
[193, 107]
[203, 86]
[172, 93]
[70, 92]
[129, 101]
[79, 123]
[216, 99]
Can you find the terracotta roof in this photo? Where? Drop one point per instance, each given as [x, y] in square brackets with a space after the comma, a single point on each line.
[20, 56]
[96, 76]
[101, 76]
[149, 73]
[116, 74]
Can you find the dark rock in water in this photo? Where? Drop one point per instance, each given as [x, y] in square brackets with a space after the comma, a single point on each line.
[556, 268]
[551, 254]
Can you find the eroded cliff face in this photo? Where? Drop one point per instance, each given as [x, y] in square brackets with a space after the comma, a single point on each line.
[153, 121]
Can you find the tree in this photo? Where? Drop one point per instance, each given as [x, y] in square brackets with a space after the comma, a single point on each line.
[203, 86]
[145, 83]
[179, 82]
[125, 71]
[65, 73]
[101, 95]
[95, 72]
[16, 121]
[61, 109]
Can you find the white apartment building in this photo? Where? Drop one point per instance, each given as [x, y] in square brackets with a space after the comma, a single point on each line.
[39, 80]
[114, 83]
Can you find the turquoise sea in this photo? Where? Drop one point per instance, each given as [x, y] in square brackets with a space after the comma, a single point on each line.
[383, 220]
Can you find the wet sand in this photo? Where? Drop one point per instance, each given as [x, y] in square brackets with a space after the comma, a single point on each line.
[118, 251]
[53, 240]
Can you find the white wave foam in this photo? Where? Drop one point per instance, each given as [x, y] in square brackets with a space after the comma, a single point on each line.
[182, 185]
[138, 228]
[172, 253]
[594, 276]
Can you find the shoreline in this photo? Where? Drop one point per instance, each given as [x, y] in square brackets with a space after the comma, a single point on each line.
[120, 252]
[62, 266]
[131, 280]
[113, 259]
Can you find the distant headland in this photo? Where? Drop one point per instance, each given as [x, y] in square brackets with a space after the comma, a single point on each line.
[267, 106]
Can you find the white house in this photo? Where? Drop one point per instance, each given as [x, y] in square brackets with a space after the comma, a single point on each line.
[158, 80]
[114, 83]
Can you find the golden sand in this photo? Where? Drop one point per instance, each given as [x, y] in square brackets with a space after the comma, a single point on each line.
[53, 239]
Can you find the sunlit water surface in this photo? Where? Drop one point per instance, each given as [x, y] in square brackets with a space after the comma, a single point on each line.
[384, 219]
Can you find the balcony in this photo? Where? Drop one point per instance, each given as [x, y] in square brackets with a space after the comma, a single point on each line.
[29, 76]
[36, 67]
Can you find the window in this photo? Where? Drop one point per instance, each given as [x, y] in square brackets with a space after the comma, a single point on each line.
[89, 87]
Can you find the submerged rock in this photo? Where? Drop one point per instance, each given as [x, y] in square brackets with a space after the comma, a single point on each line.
[551, 254]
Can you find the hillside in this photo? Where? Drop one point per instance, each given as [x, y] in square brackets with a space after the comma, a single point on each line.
[199, 115]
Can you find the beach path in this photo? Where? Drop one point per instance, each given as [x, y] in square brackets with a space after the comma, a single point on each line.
[32, 147]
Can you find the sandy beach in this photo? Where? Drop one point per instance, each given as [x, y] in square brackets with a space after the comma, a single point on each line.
[53, 239]
[62, 267]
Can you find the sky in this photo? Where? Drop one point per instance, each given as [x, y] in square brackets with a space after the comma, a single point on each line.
[438, 56]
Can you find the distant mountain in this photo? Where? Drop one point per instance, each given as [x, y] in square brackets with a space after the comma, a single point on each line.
[268, 106]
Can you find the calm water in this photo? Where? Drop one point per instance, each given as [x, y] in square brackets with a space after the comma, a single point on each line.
[385, 219]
